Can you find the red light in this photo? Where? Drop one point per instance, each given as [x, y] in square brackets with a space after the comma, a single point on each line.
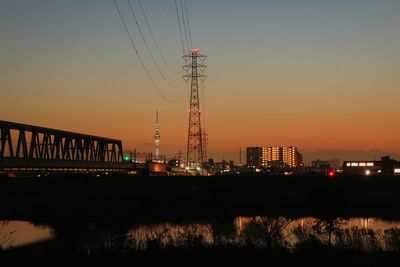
[194, 50]
[331, 173]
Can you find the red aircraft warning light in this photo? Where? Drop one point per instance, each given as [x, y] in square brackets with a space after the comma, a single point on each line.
[331, 173]
[195, 51]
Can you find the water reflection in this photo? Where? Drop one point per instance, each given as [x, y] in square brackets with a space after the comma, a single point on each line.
[361, 234]
[366, 234]
[162, 235]
[18, 233]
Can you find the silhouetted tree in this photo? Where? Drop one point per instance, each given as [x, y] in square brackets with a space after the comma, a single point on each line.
[327, 226]
[391, 238]
[267, 232]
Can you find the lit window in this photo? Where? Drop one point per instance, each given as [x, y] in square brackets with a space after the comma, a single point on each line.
[370, 164]
[354, 164]
[396, 170]
[362, 164]
[348, 164]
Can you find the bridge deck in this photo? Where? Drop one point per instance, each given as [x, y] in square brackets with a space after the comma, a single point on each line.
[28, 147]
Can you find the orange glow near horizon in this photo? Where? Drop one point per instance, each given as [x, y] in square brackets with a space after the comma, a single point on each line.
[280, 77]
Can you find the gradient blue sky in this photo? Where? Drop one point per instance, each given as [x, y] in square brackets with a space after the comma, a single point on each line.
[315, 74]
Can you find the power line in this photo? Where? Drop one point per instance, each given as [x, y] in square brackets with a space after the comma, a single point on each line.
[180, 28]
[188, 24]
[154, 39]
[148, 48]
[204, 105]
[140, 58]
[204, 133]
[184, 89]
[171, 27]
[184, 25]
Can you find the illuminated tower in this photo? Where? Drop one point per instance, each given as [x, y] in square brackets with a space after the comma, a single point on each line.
[194, 69]
[157, 138]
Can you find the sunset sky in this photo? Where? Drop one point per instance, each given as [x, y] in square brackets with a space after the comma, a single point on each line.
[320, 75]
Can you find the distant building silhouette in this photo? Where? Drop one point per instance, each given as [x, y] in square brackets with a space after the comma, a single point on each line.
[370, 167]
[320, 164]
[254, 157]
[335, 163]
[299, 159]
[385, 166]
[390, 166]
[321, 167]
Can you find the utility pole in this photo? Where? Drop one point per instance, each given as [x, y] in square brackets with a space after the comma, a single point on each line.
[240, 157]
[194, 69]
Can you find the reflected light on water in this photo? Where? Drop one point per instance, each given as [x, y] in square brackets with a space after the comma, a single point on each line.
[17, 233]
[204, 233]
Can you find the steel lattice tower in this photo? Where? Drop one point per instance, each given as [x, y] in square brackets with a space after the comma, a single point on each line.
[194, 69]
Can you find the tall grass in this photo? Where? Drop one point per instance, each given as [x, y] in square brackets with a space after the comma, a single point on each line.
[257, 234]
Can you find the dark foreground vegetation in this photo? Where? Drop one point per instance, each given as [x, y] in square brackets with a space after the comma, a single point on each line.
[320, 242]
[102, 216]
[130, 198]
